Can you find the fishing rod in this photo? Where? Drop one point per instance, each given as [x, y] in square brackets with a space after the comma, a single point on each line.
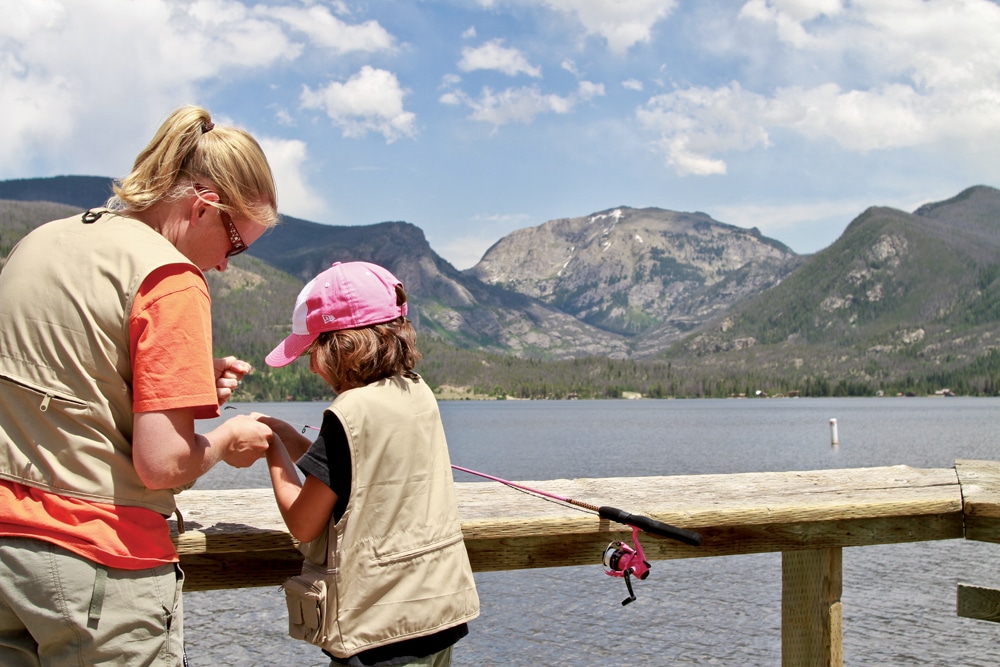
[620, 558]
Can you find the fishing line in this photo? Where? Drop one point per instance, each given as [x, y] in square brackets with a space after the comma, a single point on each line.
[620, 558]
[534, 493]
[604, 511]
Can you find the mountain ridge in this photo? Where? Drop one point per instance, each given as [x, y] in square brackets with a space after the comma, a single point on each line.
[897, 297]
[629, 271]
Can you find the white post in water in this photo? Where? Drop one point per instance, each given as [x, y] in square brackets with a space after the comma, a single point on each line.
[834, 440]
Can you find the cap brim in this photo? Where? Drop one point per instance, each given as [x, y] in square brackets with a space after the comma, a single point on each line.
[289, 350]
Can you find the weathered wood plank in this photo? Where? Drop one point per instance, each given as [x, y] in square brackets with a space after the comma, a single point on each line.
[506, 529]
[980, 482]
[811, 611]
[978, 602]
[252, 569]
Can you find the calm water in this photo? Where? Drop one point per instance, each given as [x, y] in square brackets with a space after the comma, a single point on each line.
[899, 600]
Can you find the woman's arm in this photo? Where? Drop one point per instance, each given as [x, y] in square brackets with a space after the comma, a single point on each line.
[167, 453]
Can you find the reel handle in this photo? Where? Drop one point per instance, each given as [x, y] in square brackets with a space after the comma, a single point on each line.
[650, 525]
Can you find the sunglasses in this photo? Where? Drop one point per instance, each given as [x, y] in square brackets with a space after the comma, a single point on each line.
[236, 244]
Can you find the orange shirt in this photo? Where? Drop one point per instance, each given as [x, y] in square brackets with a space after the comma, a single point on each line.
[170, 330]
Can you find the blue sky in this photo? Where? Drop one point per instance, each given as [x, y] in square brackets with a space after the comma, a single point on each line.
[473, 119]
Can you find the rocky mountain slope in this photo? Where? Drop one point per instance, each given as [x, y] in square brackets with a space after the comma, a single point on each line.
[650, 274]
[897, 293]
[459, 308]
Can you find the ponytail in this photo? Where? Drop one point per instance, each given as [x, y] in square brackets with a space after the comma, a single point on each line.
[189, 148]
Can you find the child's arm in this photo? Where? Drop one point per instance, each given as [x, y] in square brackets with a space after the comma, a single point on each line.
[305, 507]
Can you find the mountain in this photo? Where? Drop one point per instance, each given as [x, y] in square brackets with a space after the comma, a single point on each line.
[17, 218]
[897, 294]
[78, 191]
[458, 308]
[650, 274]
[649, 300]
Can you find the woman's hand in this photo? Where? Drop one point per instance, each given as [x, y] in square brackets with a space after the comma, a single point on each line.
[291, 437]
[249, 440]
[229, 372]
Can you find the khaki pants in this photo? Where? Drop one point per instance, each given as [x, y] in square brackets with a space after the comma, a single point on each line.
[57, 608]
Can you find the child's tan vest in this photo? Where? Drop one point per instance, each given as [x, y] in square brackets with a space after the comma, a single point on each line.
[65, 370]
[394, 567]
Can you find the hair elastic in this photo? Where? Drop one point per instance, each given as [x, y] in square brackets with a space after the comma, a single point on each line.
[207, 127]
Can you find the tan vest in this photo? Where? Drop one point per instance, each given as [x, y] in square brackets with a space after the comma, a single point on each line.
[66, 294]
[398, 568]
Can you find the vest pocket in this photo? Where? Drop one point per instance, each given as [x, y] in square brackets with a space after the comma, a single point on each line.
[305, 596]
[44, 396]
[404, 555]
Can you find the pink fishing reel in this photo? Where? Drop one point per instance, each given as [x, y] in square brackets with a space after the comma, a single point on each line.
[622, 560]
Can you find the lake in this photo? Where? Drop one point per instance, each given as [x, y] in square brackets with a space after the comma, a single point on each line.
[899, 600]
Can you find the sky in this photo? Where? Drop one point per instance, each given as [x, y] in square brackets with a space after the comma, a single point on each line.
[472, 119]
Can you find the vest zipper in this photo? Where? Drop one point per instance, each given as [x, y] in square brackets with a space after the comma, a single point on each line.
[47, 395]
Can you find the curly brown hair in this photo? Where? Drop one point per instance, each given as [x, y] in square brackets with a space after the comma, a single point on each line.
[356, 357]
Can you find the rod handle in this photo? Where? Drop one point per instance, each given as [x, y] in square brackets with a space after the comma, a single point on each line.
[650, 525]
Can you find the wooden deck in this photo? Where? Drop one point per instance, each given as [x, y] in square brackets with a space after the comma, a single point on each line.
[237, 539]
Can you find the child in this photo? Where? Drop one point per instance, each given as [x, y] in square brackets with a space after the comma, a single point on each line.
[386, 579]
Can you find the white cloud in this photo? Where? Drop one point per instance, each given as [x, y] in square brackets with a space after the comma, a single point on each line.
[775, 219]
[621, 24]
[632, 84]
[788, 16]
[893, 116]
[465, 251]
[327, 31]
[931, 77]
[695, 123]
[520, 105]
[62, 70]
[493, 55]
[288, 159]
[588, 90]
[370, 101]
[799, 10]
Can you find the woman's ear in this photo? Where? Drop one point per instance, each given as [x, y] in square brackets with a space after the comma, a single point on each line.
[202, 203]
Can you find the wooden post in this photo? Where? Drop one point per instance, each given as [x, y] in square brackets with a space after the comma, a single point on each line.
[811, 612]
[978, 602]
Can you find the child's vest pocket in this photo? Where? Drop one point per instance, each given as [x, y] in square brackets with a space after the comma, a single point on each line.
[305, 596]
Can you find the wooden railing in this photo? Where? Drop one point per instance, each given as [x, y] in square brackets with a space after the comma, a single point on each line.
[236, 539]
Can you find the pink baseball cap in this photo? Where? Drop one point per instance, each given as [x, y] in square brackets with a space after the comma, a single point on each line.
[348, 295]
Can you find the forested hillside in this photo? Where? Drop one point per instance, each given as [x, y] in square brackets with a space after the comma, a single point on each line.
[901, 303]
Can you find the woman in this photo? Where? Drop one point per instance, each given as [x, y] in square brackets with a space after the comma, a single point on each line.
[105, 363]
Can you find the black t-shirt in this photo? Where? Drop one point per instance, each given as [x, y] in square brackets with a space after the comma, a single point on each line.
[328, 459]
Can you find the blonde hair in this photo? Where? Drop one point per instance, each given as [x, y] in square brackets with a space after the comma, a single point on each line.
[188, 149]
[356, 357]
